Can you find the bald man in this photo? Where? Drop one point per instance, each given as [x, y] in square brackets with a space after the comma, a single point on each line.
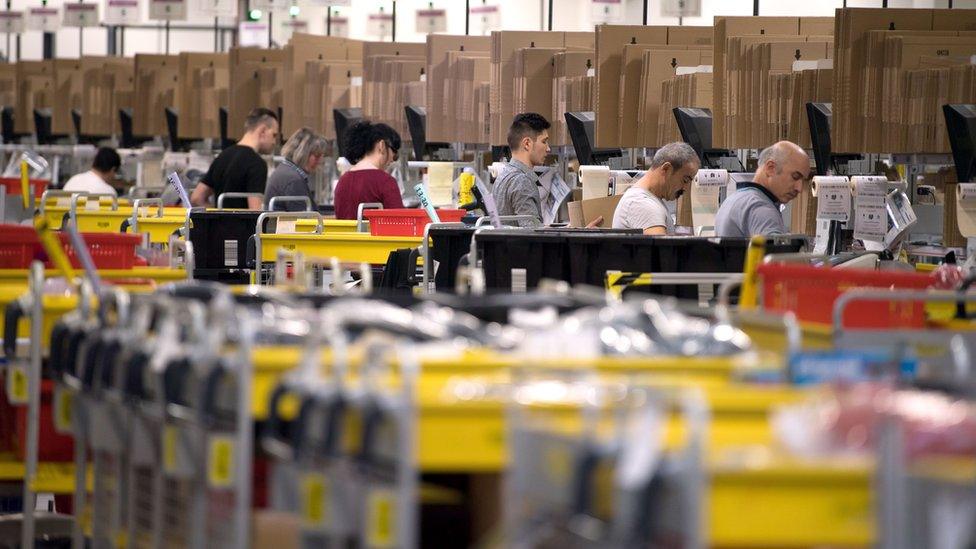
[754, 208]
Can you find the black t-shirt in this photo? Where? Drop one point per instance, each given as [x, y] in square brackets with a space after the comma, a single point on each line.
[237, 169]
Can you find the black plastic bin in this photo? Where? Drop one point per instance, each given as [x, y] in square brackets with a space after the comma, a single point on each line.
[448, 246]
[532, 255]
[224, 276]
[220, 238]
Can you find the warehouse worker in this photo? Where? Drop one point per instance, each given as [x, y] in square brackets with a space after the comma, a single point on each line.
[754, 208]
[303, 153]
[516, 191]
[240, 168]
[99, 178]
[371, 148]
[673, 168]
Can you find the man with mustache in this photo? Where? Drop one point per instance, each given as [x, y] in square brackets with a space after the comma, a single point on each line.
[754, 208]
[672, 170]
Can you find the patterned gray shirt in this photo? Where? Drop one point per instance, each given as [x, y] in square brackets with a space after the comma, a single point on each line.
[516, 193]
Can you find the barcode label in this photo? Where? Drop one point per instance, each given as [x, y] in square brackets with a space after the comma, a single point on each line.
[518, 281]
[230, 253]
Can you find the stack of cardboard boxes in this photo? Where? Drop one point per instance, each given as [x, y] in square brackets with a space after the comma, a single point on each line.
[109, 86]
[319, 71]
[458, 67]
[8, 84]
[926, 90]
[256, 80]
[572, 90]
[806, 84]
[204, 79]
[688, 89]
[875, 51]
[393, 78]
[35, 90]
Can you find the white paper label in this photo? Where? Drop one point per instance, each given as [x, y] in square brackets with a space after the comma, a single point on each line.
[172, 10]
[122, 12]
[80, 15]
[43, 19]
[484, 19]
[430, 21]
[712, 178]
[217, 8]
[966, 209]
[379, 24]
[12, 22]
[230, 253]
[902, 215]
[681, 8]
[833, 198]
[331, 2]
[253, 35]
[870, 219]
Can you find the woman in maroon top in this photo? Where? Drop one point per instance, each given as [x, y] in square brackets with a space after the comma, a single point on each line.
[370, 148]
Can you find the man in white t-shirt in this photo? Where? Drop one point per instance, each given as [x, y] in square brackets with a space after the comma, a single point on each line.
[97, 180]
[642, 207]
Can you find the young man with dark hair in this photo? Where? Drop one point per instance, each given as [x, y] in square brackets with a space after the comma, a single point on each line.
[98, 179]
[516, 191]
[240, 168]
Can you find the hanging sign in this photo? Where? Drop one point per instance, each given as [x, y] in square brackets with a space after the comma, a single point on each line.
[486, 18]
[12, 22]
[431, 21]
[340, 26]
[253, 34]
[681, 8]
[607, 11]
[43, 19]
[380, 24]
[167, 10]
[122, 12]
[217, 8]
[80, 15]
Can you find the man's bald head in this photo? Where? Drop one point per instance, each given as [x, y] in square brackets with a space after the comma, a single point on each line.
[783, 168]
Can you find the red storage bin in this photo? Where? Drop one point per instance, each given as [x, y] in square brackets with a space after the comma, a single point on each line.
[810, 293]
[108, 250]
[51, 445]
[406, 221]
[12, 185]
[18, 246]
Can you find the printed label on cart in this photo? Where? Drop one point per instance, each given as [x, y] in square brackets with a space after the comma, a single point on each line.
[170, 440]
[381, 518]
[809, 368]
[833, 198]
[17, 392]
[315, 501]
[870, 219]
[220, 461]
[93, 204]
[64, 401]
[230, 253]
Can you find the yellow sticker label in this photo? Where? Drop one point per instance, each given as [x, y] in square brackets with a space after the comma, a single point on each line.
[17, 385]
[381, 518]
[315, 502]
[220, 461]
[64, 401]
[170, 435]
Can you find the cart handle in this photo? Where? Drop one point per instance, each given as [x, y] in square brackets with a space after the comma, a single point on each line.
[54, 193]
[360, 224]
[189, 258]
[286, 199]
[930, 296]
[90, 196]
[319, 221]
[146, 202]
[220, 199]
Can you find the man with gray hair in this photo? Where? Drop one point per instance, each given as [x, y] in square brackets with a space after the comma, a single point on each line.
[754, 208]
[673, 168]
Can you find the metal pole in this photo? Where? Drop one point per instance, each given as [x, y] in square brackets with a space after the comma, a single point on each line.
[884, 3]
[394, 20]
[645, 12]
[328, 22]
[270, 28]
[122, 41]
[33, 401]
[167, 37]
[550, 15]
[216, 36]
[467, 17]
[755, 7]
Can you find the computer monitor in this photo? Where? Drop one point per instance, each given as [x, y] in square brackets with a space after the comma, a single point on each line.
[961, 126]
[223, 115]
[7, 124]
[42, 126]
[695, 125]
[581, 127]
[344, 118]
[76, 120]
[417, 124]
[818, 116]
[173, 127]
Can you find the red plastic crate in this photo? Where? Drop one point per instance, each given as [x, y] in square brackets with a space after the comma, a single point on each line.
[810, 293]
[51, 445]
[108, 250]
[406, 221]
[18, 246]
[12, 184]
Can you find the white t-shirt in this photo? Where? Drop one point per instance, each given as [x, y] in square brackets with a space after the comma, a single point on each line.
[89, 182]
[640, 209]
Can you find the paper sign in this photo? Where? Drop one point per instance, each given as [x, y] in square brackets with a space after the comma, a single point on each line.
[217, 8]
[12, 22]
[966, 208]
[833, 197]
[81, 15]
[870, 219]
[122, 12]
[253, 34]
[430, 21]
[379, 24]
[607, 11]
[167, 10]
[485, 19]
[331, 2]
[425, 203]
[902, 216]
[17, 392]
[440, 183]
[553, 191]
[269, 4]
[43, 19]
[174, 180]
[340, 26]
[680, 8]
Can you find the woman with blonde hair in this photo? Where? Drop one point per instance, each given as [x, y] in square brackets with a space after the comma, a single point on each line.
[303, 153]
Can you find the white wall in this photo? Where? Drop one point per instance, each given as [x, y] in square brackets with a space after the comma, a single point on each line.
[571, 15]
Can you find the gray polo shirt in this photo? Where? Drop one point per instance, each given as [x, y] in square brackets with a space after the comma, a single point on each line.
[751, 210]
[516, 193]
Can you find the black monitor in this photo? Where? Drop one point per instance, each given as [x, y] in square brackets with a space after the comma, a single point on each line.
[343, 119]
[581, 127]
[76, 120]
[417, 124]
[42, 126]
[223, 115]
[961, 126]
[173, 127]
[129, 139]
[818, 116]
[7, 124]
[695, 125]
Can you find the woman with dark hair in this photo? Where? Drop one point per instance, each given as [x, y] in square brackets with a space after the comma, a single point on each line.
[370, 148]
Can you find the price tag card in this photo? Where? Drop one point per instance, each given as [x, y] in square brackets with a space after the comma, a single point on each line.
[870, 219]
[43, 19]
[220, 461]
[122, 12]
[167, 10]
[379, 24]
[17, 392]
[217, 8]
[902, 215]
[12, 22]
[486, 18]
[833, 197]
[81, 15]
[431, 20]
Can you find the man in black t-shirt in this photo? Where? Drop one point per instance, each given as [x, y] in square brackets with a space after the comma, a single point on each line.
[240, 168]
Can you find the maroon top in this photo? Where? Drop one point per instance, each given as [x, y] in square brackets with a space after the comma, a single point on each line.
[364, 186]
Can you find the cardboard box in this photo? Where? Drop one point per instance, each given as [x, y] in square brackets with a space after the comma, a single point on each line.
[583, 212]
[658, 65]
[302, 49]
[156, 87]
[8, 84]
[35, 90]
[204, 78]
[109, 85]
[567, 96]
[438, 48]
[686, 90]
[256, 80]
